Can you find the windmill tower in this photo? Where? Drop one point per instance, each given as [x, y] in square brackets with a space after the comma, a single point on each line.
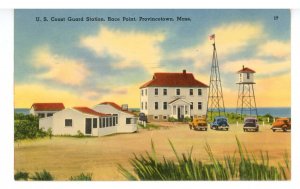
[246, 103]
[215, 95]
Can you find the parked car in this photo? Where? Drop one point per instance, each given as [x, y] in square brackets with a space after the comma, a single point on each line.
[143, 117]
[251, 124]
[198, 123]
[220, 122]
[283, 124]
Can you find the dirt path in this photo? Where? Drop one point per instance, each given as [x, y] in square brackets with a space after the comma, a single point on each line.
[66, 156]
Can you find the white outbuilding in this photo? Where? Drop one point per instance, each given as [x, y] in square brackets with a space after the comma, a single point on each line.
[45, 109]
[76, 120]
[127, 121]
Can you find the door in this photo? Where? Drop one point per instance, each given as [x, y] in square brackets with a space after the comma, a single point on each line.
[178, 114]
[88, 126]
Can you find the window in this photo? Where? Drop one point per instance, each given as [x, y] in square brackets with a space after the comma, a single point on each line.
[155, 117]
[142, 92]
[100, 122]
[114, 121]
[94, 122]
[107, 122]
[199, 105]
[41, 115]
[248, 75]
[165, 92]
[199, 92]
[116, 118]
[104, 122]
[145, 105]
[145, 92]
[68, 122]
[177, 91]
[128, 120]
[191, 92]
[165, 106]
[156, 91]
[156, 105]
[142, 105]
[165, 117]
[49, 114]
[192, 106]
[110, 121]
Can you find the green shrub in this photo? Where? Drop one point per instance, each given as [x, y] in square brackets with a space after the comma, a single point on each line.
[246, 168]
[187, 119]
[20, 175]
[49, 133]
[172, 119]
[27, 127]
[82, 177]
[80, 134]
[42, 176]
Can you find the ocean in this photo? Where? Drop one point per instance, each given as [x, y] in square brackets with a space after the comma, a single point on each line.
[275, 112]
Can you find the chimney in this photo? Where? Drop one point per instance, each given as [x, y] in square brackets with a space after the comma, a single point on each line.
[184, 72]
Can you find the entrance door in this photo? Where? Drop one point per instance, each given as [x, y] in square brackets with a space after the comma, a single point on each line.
[178, 114]
[88, 126]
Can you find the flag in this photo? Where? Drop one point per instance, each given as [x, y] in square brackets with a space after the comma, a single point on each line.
[212, 36]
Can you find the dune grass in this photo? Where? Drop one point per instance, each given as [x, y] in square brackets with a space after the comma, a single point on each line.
[244, 167]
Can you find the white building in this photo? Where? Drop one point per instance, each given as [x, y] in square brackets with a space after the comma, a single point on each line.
[176, 95]
[72, 121]
[127, 120]
[45, 109]
[246, 75]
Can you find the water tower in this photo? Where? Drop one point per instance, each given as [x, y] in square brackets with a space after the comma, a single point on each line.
[246, 103]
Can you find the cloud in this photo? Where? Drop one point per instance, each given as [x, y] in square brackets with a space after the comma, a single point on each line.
[278, 49]
[27, 94]
[130, 48]
[262, 67]
[230, 39]
[59, 68]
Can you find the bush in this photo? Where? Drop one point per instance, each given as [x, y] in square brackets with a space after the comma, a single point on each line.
[80, 134]
[82, 177]
[186, 168]
[27, 127]
[21, 175]
[49, 133]
[42, 176]
[172, 119]
[187, 119]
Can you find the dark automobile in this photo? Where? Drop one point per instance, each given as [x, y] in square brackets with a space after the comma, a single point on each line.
[143, 117]
[250, 124]
[220, 122]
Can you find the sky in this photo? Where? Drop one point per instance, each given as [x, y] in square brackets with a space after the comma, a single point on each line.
[83, 63]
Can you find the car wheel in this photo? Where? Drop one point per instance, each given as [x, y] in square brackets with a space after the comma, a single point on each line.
[273, 130]
[205, 129]
[284, 129]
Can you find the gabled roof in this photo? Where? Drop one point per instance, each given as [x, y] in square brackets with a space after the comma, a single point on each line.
[167, 79]
[177, 100]
[48, 106]
[87, 110]
[116, 106]
[246, 70]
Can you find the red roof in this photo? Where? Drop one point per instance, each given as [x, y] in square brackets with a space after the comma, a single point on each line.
[48, 106]
[116, 106]
[87, 110]
[246, 70]
[182, 79]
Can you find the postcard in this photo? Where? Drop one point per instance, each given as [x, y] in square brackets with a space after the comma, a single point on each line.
[152, 94]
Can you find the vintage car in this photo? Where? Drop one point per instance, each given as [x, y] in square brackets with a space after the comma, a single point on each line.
[220, 122]
[143, 117]
[251, 124]
[283, 124]
[198, 124]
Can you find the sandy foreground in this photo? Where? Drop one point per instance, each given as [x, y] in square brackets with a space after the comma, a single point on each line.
[64, 157]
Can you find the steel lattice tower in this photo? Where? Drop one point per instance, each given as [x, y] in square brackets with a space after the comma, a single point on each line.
[246, 103]
[215, 95]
